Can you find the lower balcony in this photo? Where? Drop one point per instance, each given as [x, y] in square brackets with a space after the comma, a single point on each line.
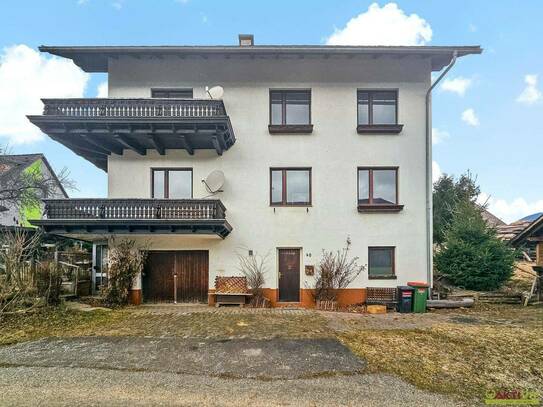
[96, 218]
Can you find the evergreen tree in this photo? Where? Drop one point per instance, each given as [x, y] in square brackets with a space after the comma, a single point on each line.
[448, 195]
[471, 255]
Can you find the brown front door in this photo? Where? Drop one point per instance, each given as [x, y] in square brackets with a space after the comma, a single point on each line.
[289, 275]
[191, 268]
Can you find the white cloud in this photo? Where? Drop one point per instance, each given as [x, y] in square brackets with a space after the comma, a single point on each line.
[102, 90]
[439, 135]
[472, 28]
[25, 77]
[510, 211]
[457, 85]
[436, 172]
[387, 25]
[469, 117]
[531, 93]
[82, 2]
[117, 4]
[204, 19]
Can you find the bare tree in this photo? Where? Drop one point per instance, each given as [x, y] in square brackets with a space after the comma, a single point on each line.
[27, 188]
[18, 251]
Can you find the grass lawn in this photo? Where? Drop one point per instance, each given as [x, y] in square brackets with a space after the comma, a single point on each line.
[473, 351]
[456, 352]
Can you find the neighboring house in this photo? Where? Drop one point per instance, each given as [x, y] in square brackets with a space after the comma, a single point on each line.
[316, 143]
[491, 219]
[532, 234]
[15, 166]
[511, 234]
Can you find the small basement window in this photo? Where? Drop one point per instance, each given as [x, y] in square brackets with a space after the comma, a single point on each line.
[381, 262]
[172, 93]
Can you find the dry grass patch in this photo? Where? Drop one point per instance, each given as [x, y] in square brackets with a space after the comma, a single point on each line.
[463, 359]
[218, 325]
[49, 322]
[126, 322]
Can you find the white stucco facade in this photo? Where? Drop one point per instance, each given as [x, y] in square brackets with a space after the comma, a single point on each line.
[333, 151]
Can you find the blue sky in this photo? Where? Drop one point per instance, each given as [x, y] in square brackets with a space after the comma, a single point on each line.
[500, 140]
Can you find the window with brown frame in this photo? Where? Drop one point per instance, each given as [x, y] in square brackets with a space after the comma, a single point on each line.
[172, 93]
[377, 107]
[290, 111]
[381, 262]
[377, 111]
[172, 183]
[378, 188]
[290, 186]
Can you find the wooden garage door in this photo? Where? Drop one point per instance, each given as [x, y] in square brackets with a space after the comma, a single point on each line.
[192, 269]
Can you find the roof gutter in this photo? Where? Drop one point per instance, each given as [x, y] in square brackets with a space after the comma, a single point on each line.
[429, 185]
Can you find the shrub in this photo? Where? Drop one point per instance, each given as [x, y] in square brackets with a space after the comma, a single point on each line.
[49, 282]
[472, 256]
[334, 272]
[125, 262]
[254, 268]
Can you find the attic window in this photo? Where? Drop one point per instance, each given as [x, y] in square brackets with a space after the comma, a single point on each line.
[172, 93]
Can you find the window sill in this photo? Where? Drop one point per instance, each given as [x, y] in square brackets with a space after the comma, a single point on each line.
[392, 277]
[380, 208]
[303, 205]
[290, 129]
[379, 128]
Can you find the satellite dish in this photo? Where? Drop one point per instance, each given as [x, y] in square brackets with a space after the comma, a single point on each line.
[216, 92]
[214, 181]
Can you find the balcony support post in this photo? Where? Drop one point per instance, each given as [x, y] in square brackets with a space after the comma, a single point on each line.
[132, 145]
[215, 142]
[159, 147]
[109, 146]
[186, 145]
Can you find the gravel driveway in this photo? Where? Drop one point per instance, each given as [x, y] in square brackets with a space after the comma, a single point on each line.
[61, 386]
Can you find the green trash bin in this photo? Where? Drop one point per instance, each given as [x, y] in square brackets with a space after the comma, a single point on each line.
[421, 295]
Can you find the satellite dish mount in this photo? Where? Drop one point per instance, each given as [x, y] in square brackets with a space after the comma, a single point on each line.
[216, 92]
[214, 182]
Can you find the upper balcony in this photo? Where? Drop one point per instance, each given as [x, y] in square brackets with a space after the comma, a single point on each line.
[97, 128]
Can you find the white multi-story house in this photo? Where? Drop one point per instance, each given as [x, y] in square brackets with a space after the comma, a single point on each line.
[316, 144]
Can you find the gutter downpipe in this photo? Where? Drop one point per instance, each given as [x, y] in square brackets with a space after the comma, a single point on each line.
[429, 184]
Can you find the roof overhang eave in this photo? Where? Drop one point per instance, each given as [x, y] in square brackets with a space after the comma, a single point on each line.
[96, 58]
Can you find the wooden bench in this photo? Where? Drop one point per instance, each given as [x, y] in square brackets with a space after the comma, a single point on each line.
[382, 296]
[231, 290]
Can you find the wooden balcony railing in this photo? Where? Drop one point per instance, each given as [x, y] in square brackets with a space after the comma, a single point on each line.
[134, 108]
[134, 209]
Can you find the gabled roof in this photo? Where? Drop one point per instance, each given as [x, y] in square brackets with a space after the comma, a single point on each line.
[95, 58]
[491, 219]
[12, 165]
[535, 228]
